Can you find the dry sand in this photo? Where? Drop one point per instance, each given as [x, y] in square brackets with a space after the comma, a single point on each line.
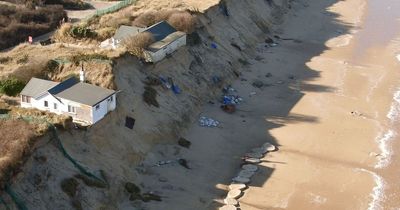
[325, 122]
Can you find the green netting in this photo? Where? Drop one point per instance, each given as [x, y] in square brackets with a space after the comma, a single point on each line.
[20, 204]
[114, 8]
[73, 161]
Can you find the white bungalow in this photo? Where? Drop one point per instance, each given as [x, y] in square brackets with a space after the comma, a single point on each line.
[85, 103]
[166, 40]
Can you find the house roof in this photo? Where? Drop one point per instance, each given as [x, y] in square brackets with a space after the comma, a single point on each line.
[63, 86]
[160, 30]
[36, 87]
[166, 41]
[85, 93]
[124, 32]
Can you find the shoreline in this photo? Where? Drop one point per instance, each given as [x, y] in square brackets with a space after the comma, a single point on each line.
[321, 139]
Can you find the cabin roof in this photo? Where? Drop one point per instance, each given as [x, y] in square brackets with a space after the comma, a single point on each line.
[36, 87]
[124, 32]
[160, 30]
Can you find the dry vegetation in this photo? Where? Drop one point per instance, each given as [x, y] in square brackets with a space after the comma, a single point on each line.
[136, 44]
[57, 62]
[19, 22]
[18, 135]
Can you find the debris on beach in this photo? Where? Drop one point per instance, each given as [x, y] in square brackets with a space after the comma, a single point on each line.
[163, 162]
[252, 160]
[183, 163]
[229, 108]
[184, 142]
[231, 99]
[252, 93]
[208, 122]
[258, 83]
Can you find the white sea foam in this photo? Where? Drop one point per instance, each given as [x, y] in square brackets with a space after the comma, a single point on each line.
[377, 192]
[386, 151]
[394, 112]
[398, 57]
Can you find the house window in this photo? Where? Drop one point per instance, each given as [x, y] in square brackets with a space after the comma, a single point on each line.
[110, 99]
[97, 106]
[55, 105]
[71, 109]
[46, 104]
[26, 99]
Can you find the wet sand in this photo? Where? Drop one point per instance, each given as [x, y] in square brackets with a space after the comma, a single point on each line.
[325, 106]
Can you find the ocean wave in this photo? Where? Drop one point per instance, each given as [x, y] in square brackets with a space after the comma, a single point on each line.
[377, 193]
[386, 152]
[394, 111]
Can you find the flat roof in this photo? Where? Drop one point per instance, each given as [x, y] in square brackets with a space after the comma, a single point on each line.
[156, 46]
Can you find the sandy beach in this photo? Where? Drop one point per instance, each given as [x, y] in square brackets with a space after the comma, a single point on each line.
[325, 106]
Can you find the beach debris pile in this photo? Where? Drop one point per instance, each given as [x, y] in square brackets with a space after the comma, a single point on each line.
[230, 99]
[240, 181]
[208, 122]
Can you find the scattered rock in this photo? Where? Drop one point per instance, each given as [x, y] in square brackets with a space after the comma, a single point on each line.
[146, 197]
[237, 186]
[261, 150]
[258, 84]
[242, 180]
[231, 201]
[69, 186]
[184, 142]
[246, 174]
[183, 163]
[228, 207]
[268, 75]
[250, 167]
[269, 147]
[234, 193]
[279, 82]
[291, 77]
[132, 188]
[269, 40]
[252, 160]
[254, 155]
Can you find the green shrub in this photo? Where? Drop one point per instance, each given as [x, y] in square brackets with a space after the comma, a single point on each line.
[81, 32]
[11, 87]
[52, 65]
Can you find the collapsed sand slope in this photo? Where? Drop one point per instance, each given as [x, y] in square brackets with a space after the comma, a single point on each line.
[112, 147]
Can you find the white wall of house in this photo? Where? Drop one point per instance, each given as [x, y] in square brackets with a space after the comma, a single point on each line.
[170, 48]
[107, 105]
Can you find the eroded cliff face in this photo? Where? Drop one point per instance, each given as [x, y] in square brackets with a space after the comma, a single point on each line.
[228, 32]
